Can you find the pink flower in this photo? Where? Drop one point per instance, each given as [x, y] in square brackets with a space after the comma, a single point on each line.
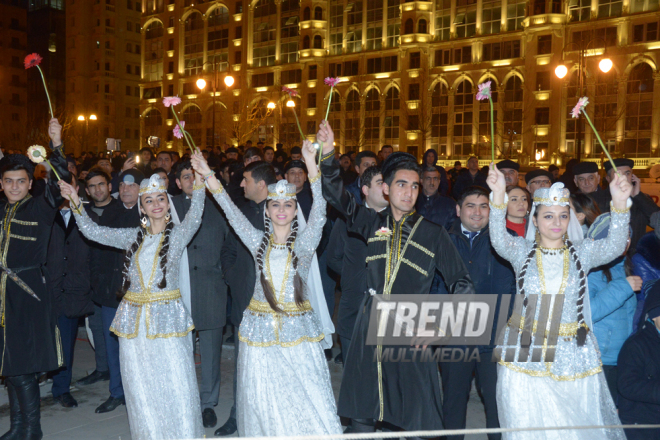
[292, 93]
[331, 81]
[178, 130]
[581, 104]
[484, 91]
[32, 60]
[383, 232]
[171, 100]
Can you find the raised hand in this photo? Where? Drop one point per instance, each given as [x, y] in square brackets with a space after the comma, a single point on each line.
[55, 132]
[130, 163]
[620, 189]
[308, 152]
[327, 136]
[69, 192]
[199, 164]
[495, 180]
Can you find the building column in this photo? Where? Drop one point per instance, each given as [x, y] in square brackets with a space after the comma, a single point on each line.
[249, 28]
[278, 31]
[450, 116]
[656, 115]
[621, 109]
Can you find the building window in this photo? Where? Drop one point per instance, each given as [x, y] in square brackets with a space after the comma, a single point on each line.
[466, 24]
[336, 15]
[265, 8]
[610, 8]
[544, 45]
[415, 60]
[311, 100]
[542, 116]
[289, 52]
[291, 76]
[312, 71]
[263, 56]
[375, 37]
[374, 11]
[354, 13]
[516, 14]
[542, 81]
[393, 33]
[263, 32]
[645, 32]
[263, 79]
[380, 65]
[643, 6]
[491, 20]
[353, 101]
[318, 13]
[581, 11]
[318, 42]
[289, 27]
[602, 37]
[501, 51]
[335, 44]
[354, 41]
[422, 27]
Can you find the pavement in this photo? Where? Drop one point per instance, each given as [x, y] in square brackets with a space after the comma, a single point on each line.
[82, 423]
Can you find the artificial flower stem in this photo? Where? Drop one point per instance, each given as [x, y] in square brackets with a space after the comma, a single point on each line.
[52, 115]
[320, 151]
[58, 179]
[190, 142]
[492, 129]
[298, 122]
[600, 140]
[327, 112]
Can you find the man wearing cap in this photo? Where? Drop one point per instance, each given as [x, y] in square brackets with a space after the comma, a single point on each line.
[404, 395]
[643, 206]
[586, 177]
[296, 153]
[536, 179]
[129, 188]
[232, 153]
[510, 170]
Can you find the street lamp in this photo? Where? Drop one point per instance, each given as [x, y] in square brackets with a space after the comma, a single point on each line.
[229, 80]
[605, 65]
[201, 85]
[290, 103]
[82, 118]
[271, 106]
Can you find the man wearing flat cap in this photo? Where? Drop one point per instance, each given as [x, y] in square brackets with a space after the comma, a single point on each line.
[643, 206]
[536, 179]
[510, 170]
[586, 177]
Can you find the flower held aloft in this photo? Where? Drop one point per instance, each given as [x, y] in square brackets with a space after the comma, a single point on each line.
[171, 101]
[580, 107]
[485, 93]
[179, 130]
[33, 60]
[36, 153]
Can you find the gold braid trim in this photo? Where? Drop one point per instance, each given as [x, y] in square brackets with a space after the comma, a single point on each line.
[327, 156]
[618, 211]
[548, 373]
[502, 206]
[568, 329]
[315, 178]
[217, 191]
[150, 297]
[200, 186]
[287, 307]
[282, 344]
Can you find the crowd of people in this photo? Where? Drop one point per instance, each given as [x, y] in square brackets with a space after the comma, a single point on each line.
[250, 244]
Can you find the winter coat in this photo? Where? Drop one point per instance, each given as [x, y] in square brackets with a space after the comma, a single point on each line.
[646, 265]
[465, 180]
[613, 307]
[437, 208]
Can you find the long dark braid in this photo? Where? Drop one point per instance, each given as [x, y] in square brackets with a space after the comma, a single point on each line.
[582, 329]
[521, 279]
[163, 253]
[297, 281]
[126, 283]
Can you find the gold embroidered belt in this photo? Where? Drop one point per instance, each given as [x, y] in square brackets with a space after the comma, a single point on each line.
[289, 308]
[567, 329]
[150, 297]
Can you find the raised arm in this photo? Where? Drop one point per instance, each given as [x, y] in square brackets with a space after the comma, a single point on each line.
[513, 249]
[309, 238]
[52, 194]
[248, 234]
[185, 231]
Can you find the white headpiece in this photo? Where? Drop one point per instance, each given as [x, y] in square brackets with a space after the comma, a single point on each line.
[154, 184]
[556, 195]
[281, 190]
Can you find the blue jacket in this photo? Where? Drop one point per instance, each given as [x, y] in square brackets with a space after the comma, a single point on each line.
[355, 188]
[490, 273]
[646, 265]
[613, 307]
[437, 208]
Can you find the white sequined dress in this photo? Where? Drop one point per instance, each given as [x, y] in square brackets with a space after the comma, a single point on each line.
[155, 349]
[571, 391]
[283, 386]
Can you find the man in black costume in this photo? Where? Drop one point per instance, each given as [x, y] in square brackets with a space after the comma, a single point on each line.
[403, 395]
[29, 338]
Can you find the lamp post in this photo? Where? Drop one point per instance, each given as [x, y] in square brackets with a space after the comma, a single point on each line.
[82, 118]
[605, 65]
[201, 85]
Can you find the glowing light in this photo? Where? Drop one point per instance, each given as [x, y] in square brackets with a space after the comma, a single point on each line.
[271, 105]
[92, 117]
[201, 84]
[290, 103]
[561, 71]
[605, 65]
[229, 80]
[81, 118]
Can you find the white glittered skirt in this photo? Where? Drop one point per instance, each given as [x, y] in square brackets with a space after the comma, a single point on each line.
[160, 385]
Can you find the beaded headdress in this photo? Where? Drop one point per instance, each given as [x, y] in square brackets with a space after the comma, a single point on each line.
[154, 184]
[281, 190]
[555, 195]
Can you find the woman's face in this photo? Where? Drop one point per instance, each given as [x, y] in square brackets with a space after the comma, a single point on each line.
[518, 204]
[282, 212]
[155, 205]
[552, 221]
[579, 215]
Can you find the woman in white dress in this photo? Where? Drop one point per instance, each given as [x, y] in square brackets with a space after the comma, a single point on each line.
[283, 384]
[553, 259]
[155, 351]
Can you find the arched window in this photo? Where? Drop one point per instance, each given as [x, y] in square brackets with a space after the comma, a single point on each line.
[153, 52]
[639, 111]
[335, 105]
[318, 13]
[154, 30]
[640, 79]
[439, 118]
[408, 28]
[605, 106]
[372, 117]
[372, 103]
[193, 44]
[318, 42]
[513, 90]
[306, 42]
[422, 26]
[463, 119]
[513, 115]
[218, 37]
[193, 117]
[307, 15]
[353, 101]
[439, 96]
[392, 106]
[153, 119]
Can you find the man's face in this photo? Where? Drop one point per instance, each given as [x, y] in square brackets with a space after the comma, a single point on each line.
[374, 194]
[296, 156]
[430, 182]
[16, 185]
[145, 156]
[474, 212]
[164, 178]
[403, 191]
[232, 156]
[297, 176]
[510, 176]
[386, 151]
[164, 161]
[473, 165]
[104, 164]
[430, 160]
[247, 162]
[253, 190]
[98, 189]
[624, 171]
[345, 162]
[83, 175]
[365, 163]
[555, 173]
[186, 182]
[128, 193]
[71, 167]
[587, 182]
[269, 155]
[538, 182]
[224, 173]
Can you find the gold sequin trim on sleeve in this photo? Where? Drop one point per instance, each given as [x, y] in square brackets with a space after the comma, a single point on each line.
[414, 266]
[217, 191]
[618, 211]
[22, 237]
[327, 156]
[24, 223]
[502, 206]
[315, 178]
[200, 186]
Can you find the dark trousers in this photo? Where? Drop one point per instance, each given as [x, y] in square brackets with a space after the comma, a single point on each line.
[611, 375]
[68, 332]
[232, 414]
[456, 385]
[345, 343]
[100, 352]
[210, 351]
[112, 350]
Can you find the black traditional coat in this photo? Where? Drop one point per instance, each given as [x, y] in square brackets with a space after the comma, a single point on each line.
[29, 338]
[405, 394]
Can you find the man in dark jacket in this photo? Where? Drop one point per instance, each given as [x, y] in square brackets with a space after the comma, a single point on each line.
[238, 264]
[29, 340]
[643, 206]
[490, 275]
[208, 291]
[431, 204]
[363, 160]
[470, 178]
[639, 373]
[68, 267]
[430, 159]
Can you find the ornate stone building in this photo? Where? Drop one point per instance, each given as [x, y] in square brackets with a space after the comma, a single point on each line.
[409, 74]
